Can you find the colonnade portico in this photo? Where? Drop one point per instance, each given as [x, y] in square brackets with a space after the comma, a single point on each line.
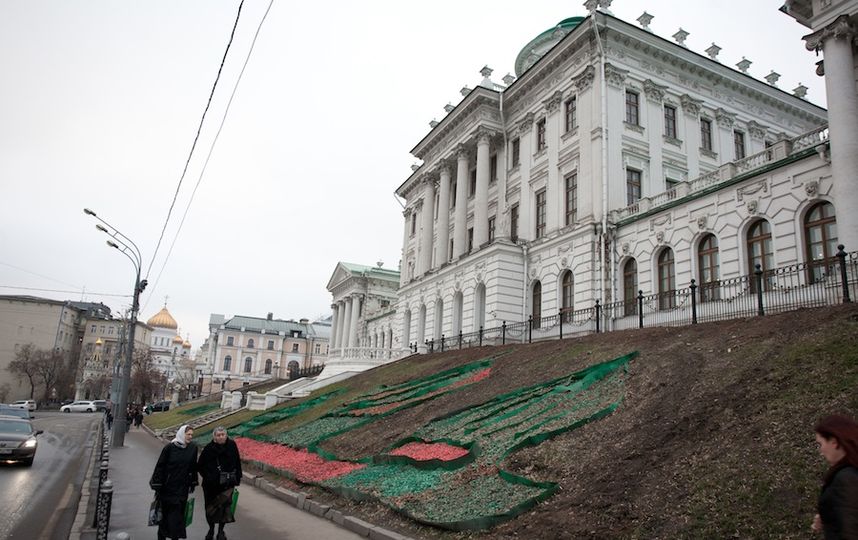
[433, 249]
[345, 321]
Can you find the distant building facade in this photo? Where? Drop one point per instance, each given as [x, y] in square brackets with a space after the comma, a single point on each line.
[364, 317]
[244, 350]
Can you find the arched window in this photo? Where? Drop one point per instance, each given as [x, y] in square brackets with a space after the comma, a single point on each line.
[480, 307]
[630, 287]
[567, 292]
[709, 264]
[268, 367]
[250, 343]
[666, 280]
[536, 300]
[439, 321]
[760, 252]
[227, 363]
[248, 364]
[820, 233]
[457, 313]
[293, 368]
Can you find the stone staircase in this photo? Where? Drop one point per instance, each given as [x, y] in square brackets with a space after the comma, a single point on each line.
[169, 432]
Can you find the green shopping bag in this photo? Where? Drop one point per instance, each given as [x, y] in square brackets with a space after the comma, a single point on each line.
[234, 502]
[189, 512]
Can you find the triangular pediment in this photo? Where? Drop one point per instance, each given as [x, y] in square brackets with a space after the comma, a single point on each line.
[341, 274]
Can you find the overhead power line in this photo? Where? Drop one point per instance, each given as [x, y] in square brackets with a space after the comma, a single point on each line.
[39, 275]
[196, 138]
[79, 291]
[211, 150]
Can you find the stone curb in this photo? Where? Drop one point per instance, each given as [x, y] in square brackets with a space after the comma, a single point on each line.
[80, 521]
[303, 501]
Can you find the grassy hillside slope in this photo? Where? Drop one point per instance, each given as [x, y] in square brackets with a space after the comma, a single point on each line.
[713, 439]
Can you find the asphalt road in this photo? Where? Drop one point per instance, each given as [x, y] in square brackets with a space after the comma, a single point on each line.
[39, 502]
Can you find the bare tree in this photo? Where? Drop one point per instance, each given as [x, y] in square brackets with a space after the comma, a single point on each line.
[24, 365]
[50, 367]
[146, 380]
[4, 392]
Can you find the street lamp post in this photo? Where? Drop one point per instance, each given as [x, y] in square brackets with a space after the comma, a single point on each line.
[133, 253]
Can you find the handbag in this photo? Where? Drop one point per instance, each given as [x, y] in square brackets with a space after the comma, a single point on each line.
[225, 478]
[189, 512]
[155, 513]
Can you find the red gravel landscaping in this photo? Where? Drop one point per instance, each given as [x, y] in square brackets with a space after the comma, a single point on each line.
[425, 451]
[302, 465]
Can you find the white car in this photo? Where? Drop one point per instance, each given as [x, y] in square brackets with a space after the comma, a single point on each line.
[79, 406]
[29, 404]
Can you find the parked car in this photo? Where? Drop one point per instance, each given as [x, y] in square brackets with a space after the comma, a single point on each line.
[17, 412]
[66, 402]
[100, 405]
[18, 440]
[29, 404]
[159, 406]
[79, 406]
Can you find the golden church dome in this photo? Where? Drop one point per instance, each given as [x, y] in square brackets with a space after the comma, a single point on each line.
[163, 319]
[186, 344]
[98, 342]
[178, 340]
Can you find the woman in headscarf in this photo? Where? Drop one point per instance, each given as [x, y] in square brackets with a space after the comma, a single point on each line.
[220, 468]
[174, 477]
[837, 437]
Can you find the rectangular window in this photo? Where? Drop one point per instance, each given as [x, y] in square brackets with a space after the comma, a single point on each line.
[540, 135]
[294, 347]
[513, 223]
[739, 144]
[632, 108]
[706, 134]
[670, 183]
[230, 340]
[540, 214]
[491, 229]
[473, 186]
[450, 257]
[470, 239]
[270, 345]
[318, 348]
[109, 330]
[493, 168]
[571, 114]
[516, 151]
[413, 222]
[571, 197]
[633, 186]
[670, 121]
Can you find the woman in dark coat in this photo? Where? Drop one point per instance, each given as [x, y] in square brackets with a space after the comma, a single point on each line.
[220, 468]
[175, 476]
[837, 437]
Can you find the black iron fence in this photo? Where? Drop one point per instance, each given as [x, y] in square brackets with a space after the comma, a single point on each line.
[820, 283]
[311, 371]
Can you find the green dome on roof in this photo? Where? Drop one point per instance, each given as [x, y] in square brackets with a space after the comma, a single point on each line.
[542, 43]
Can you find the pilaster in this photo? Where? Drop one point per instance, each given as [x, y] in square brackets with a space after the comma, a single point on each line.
[552, 137]
[443, 248]
[691, 117]
[426, 229]
[525, 205]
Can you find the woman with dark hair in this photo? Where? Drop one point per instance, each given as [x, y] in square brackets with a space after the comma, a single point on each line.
[837, 437]
[174, 477]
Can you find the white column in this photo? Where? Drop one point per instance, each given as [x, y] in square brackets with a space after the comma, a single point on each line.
[836, 42]
[691, 110]
[334, 309]
[443, 251]
[655, 119]
[481, 197]
[525, 203]
[460, 227]
[554, 197]
[426, 231]
[353, 323]
[344, 335]
[406, 233]
[726, 152]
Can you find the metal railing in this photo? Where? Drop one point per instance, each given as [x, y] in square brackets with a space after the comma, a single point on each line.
[817, 284]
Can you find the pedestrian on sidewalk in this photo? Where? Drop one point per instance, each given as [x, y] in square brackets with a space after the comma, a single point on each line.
[138, 418]
[109, 419]
[174, 477]
[220, 467]
[837, 437]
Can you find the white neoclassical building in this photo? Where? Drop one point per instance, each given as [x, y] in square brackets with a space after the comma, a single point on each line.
[170, 353]
[364, 317]
[619, 161]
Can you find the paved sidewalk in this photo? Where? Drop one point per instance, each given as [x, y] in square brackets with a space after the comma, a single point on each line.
[259, 515]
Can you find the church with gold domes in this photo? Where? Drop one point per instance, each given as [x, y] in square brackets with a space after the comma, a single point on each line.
[171, 354]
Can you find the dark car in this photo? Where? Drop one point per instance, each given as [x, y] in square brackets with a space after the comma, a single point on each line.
[6, 410]
[17, 440]
[160, 406]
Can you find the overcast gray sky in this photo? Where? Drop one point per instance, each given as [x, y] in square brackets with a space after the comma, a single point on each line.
[100, 102]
